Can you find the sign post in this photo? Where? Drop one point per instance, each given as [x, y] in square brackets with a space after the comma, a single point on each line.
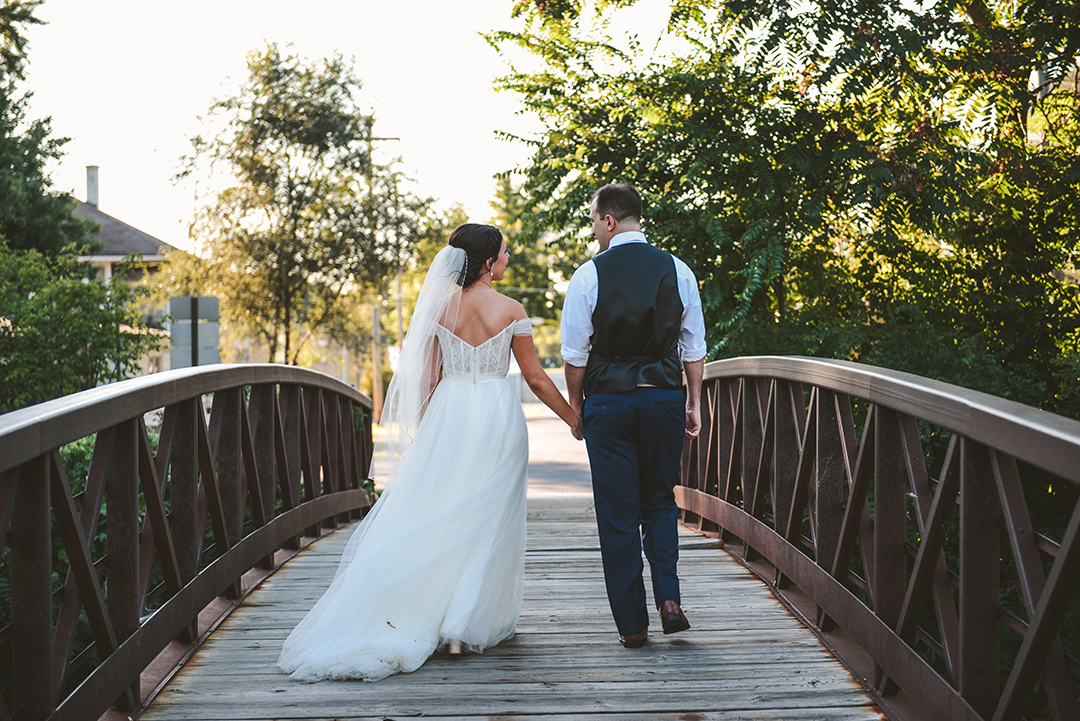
[195, 331]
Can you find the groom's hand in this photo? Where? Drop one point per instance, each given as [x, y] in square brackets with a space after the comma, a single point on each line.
[693, 421]
[578, 430]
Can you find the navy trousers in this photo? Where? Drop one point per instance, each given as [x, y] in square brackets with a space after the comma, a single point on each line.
[635, 442]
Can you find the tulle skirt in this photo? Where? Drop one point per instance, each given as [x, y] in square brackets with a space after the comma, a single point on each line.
[440, 556]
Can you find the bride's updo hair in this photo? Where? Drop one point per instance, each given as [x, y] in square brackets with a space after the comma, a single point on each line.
[481, 243]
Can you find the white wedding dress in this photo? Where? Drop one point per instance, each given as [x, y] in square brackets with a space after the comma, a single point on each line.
[440, 557]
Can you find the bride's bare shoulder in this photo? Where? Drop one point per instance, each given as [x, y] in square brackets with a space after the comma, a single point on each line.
[512, 308]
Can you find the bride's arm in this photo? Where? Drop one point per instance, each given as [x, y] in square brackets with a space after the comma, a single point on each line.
[541, 384]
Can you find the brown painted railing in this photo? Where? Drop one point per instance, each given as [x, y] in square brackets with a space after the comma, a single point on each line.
[907, 577]
[282, 456]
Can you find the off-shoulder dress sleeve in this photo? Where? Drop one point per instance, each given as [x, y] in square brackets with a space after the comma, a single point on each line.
[523, 327]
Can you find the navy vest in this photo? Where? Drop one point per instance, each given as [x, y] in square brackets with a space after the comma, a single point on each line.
[636, 323]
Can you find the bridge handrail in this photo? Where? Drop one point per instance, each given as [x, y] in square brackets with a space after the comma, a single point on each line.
[1035, 436]
[282, 456]
[29, 432]
[851, 530]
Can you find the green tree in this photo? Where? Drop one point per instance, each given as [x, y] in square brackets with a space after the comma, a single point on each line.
[351, 326]
[538, 265]
[31, 214]
[299, 226]
[13, 15]
[838, 174]
[535, 264]
[408, 226]
[731, 172]
[61, 330]
[969, 210]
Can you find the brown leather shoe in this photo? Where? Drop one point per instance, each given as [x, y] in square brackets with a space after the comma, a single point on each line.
[634, 640]
[672, 617]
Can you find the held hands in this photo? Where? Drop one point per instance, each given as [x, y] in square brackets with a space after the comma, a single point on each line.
[693, 421]
[577, 428]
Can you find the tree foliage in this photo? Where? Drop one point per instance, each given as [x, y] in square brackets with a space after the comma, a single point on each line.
[305, 216]
[840, 175]
[14, 14]
[413, 233]
[536, 270]
[32, 215]
[62, 330]
[535, 265]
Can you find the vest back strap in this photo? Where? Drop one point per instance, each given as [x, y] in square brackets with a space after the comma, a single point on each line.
[630, 358]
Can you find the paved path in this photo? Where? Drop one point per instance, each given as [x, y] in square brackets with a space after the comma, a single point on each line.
[558, 464]
[745, 658]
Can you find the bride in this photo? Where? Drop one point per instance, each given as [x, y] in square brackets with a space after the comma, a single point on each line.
[438, 561]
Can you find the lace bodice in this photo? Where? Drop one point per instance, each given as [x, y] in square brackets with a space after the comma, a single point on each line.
[490, 359]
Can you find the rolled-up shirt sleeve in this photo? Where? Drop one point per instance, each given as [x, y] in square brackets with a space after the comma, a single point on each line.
[692, 332]
[576, 327]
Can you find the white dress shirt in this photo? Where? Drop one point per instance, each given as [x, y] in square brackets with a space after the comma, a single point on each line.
[580, 302]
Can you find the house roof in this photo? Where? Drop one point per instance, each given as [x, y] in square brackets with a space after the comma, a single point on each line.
[118, 238]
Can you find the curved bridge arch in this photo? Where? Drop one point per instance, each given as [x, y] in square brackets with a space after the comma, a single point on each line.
[279, 453]
[853, 533]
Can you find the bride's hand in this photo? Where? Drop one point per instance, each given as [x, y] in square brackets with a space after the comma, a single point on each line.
[578, 429]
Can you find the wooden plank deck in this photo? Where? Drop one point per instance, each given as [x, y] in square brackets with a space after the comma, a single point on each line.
[746, 656]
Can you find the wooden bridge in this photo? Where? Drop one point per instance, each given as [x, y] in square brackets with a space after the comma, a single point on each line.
[746, 656]
[868, 516]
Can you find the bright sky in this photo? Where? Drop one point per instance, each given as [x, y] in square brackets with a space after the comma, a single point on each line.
[127, 80]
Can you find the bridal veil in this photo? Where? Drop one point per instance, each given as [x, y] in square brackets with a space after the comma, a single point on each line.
[420, 364]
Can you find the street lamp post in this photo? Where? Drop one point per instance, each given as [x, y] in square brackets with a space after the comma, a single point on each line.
[376, 350]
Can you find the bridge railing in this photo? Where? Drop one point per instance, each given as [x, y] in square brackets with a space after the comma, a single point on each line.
[249, 459]
[946, 594]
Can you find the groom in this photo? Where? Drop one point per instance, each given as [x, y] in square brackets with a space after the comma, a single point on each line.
[630, 316]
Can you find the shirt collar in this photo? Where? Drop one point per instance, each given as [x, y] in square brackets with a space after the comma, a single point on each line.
[629, 236]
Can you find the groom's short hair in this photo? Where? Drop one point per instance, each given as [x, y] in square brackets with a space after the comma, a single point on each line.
[619, 200]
